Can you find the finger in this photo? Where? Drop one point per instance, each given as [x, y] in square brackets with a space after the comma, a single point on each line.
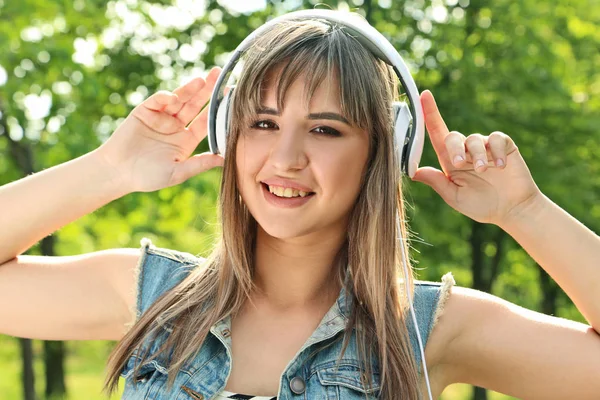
[158, 121]
[198, 126]
[455, 146]
[498, 145]
[195, 165]
[437, 180]
[476, 146]
[433, 118]
[159, 100]
[436, 127]
[193, 106]
[184, 93]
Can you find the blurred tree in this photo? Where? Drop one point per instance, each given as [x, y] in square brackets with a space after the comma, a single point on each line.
[71, 72]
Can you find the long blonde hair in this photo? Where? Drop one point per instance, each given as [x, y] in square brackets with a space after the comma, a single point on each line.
[371, 254]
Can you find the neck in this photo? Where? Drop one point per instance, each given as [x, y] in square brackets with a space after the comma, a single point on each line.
[297, 273]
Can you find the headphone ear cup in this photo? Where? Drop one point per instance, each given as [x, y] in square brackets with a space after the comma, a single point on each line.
[223, 121]
[402, 121]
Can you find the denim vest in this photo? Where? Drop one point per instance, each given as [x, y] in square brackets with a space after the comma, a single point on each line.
[304, 377]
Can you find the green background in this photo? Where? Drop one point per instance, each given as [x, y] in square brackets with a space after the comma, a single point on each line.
[71, 71]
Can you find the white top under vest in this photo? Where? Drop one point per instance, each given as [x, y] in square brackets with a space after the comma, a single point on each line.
[225, 395]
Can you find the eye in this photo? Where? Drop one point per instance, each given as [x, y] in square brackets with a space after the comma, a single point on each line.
[327, 131]
[263, 124]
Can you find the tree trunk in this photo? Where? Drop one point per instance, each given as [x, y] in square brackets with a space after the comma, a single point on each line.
[368, 7]
[477, 255]
[28, 375]
[484, 273]
[54, 369]
[54, 354]
[479, 393]
[550, 292]
[479, 281]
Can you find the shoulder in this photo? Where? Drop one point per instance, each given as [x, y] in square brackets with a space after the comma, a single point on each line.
[484, 340]
[457, 328]
[159, 270]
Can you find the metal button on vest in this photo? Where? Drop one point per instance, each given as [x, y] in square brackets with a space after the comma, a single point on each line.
[297, 385]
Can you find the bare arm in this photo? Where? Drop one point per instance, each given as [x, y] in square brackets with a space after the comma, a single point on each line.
[486, 341]
[83, 297]
[36, 206]
[565, 248]
[60, 298]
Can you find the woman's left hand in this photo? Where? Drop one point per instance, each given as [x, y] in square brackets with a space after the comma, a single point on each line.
[482, 177]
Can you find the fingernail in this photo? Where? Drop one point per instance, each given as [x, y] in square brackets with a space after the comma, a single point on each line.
[499, 162]
[458, 159]
[479, 164]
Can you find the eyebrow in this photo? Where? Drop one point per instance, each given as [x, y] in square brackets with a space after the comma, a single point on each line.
[321, 115]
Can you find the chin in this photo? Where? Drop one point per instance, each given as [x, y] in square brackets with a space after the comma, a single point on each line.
[282, 230]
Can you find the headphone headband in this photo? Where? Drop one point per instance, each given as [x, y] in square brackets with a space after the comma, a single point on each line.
[368, 37]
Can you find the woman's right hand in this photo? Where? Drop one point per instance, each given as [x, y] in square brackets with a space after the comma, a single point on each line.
[151, 149]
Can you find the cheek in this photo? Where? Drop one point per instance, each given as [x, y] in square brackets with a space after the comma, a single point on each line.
[248, 161]
[343, 170]
[247, 151]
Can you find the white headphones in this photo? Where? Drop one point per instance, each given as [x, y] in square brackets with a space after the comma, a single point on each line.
[409, 125]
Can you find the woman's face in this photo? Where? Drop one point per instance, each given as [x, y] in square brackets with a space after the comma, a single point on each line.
[312, 148]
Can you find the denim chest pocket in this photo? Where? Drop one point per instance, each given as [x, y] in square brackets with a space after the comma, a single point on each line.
[345, 383]
[146, 383]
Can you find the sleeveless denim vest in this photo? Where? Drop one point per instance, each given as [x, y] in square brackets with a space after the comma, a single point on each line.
[310, 378]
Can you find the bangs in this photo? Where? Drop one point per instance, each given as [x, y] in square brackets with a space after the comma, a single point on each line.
[320, 53]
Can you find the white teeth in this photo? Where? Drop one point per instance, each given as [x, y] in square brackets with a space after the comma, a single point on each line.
[286, 192]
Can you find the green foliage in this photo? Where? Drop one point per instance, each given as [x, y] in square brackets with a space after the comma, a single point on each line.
[526, 68]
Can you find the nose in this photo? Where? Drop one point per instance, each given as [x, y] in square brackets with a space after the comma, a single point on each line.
[288, 151]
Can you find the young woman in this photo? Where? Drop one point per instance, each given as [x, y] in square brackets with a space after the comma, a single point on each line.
[301, 297]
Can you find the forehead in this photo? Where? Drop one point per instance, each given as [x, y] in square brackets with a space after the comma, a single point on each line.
[325, 92]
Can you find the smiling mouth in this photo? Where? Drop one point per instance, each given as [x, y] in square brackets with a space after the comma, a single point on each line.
[286, 193]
